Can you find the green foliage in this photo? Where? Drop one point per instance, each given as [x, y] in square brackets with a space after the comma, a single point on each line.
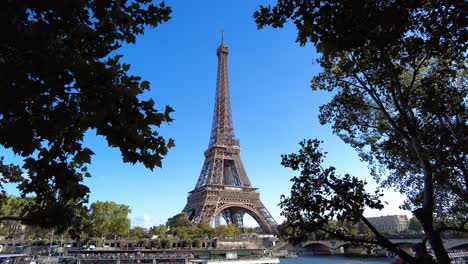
[159, 230]
[327, 205]
[139, 232]
[397, 70]
[205, 231]
[99, 242]
[157, 243]
[179, 221]
[35, 233]
[226, 231]
[319, 196]
[232, 230]
[415, 225]
[61, 76]
[180, 227]
[323, 194]
[167, 243]
[109, 220]
[363, 229]
[123, 244]
[14, 207]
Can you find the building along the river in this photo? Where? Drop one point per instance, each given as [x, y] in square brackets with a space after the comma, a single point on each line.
[390, 223]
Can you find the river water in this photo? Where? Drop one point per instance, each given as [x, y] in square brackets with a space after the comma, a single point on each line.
[334, 260]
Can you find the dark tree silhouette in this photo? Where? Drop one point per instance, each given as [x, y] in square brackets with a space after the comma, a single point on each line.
[61, 76]
[397, 70]
[319, 197]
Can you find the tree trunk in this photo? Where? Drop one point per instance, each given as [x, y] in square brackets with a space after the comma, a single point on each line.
[385, 243]
[432, 236]
[437, 245]
[421, 255]
[425, 214]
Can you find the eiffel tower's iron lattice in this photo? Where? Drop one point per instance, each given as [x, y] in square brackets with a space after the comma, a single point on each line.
[223, 188]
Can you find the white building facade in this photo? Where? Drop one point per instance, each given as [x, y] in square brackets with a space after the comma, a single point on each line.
[390, 223]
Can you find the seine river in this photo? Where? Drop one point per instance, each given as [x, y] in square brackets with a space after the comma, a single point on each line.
[335, 260]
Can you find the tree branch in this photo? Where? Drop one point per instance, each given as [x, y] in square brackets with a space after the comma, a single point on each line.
[384, 242]
[377, 100]
[415, 74]
[14, 218]
[381, 240]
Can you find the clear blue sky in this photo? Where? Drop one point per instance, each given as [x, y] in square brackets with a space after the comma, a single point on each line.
[272, 103]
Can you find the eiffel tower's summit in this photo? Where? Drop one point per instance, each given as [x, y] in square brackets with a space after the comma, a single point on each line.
[223, 188]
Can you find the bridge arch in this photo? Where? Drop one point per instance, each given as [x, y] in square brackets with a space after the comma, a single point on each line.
[318, 248]
[332, 244]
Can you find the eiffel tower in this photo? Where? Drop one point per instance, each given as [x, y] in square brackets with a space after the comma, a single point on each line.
[223, 188]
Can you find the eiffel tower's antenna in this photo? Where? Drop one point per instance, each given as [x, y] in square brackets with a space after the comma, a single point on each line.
[222, 37]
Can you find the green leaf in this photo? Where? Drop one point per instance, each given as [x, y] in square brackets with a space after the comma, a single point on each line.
[167, 111]
[171, 143]
[145, 85]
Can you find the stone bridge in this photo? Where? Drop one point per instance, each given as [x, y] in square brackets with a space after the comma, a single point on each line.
[453, 243]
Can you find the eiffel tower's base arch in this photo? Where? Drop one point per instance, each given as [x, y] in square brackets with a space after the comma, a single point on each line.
[234, 214]
[205, 204]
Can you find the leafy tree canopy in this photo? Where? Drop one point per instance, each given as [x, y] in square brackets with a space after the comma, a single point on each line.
[414, 225]
[180, 227]
[179, 221]
[158, 230]
[397, 71]
[109, 220]
[319, 197]
[139, 232]
[12, 228]
[12, 206]
[61, 76]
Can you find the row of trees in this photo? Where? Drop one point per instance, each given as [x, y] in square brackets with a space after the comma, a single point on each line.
[109, 220]
[102, 219]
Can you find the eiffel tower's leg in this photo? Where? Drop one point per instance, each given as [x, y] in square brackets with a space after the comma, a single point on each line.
[190, 209]
[217, 221]
[204, 205]
[268, 221]
[227, 215]
[204, 174]
[234, 216]
[238, 218]
[207, 212]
